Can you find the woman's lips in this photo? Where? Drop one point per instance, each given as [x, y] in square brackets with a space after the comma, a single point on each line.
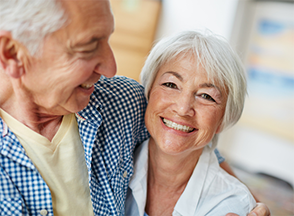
[176, 126]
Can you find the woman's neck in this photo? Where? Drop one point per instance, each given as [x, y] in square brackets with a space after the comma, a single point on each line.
[168, 176]
[171, 170]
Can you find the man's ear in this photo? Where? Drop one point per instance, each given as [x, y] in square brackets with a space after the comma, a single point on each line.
[12, 55]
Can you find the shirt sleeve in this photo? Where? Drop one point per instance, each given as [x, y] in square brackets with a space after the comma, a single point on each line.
[219, 157]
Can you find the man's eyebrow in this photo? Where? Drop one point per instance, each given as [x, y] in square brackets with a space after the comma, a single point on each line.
[90, 41]
[177, 75]
[79, 44]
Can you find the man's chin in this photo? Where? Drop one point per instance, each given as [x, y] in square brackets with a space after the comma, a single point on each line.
[77, 106]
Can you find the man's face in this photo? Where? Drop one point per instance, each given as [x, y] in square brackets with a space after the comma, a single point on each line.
[61, 80]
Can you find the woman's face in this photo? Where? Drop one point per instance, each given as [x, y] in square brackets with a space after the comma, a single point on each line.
[185, 109]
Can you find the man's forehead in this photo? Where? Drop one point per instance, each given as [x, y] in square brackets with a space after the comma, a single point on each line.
[87, 19]
[77, 8]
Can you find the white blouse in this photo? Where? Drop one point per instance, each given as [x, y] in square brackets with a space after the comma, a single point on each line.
[210, 190]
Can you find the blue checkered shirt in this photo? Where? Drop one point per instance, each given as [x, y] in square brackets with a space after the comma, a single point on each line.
[110, 127]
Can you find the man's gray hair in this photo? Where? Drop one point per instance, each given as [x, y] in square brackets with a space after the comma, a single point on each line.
[29, 21]
[214, 54]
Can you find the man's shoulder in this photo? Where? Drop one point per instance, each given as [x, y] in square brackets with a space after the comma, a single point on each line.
[118, 84]
[119, 90]
[118, 94]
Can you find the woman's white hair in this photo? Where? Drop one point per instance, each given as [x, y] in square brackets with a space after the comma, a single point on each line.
[29, 21]
[215, 55]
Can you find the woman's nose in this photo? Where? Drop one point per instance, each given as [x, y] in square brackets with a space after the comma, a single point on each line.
[184, 105]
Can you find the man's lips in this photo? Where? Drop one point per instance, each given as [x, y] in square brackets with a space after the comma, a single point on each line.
[176, 126]
[86, 86]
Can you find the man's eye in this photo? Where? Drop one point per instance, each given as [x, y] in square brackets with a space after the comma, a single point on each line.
[87, 51]
[207, 97]
[86, 54]
[170, 85]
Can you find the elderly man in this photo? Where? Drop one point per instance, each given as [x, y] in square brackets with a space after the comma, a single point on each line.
[65, 144]
[52, 53]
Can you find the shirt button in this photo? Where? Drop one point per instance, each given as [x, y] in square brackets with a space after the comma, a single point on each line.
[43, 212]
[125, 174]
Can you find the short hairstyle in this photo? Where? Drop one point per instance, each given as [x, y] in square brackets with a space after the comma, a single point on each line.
[29, 21]
[214, 54]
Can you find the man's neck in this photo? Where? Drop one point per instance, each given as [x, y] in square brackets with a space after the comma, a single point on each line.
[46, 126]
[28, 114]
[18, 103]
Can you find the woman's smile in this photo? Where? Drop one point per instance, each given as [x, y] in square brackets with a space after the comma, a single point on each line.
[176, 126]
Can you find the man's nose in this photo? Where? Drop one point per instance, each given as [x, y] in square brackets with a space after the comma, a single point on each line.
[107, 64]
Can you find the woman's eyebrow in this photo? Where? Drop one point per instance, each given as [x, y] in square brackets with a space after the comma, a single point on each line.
[210, 85]
[177, 75]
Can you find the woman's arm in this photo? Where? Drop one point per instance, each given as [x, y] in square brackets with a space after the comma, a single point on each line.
[260, 209]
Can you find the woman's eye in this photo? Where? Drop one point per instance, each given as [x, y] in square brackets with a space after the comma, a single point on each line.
[170, 85]
[207, 97]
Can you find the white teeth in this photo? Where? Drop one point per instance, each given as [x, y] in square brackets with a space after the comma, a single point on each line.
[86, 86]
[176, 126]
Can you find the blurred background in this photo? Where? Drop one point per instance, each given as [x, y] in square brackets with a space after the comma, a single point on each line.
[260, 148]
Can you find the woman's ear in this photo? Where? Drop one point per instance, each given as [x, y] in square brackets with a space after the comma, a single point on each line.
[11, 55]
[219, 128]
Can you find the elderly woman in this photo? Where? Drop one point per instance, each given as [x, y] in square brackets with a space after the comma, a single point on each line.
[196, 86]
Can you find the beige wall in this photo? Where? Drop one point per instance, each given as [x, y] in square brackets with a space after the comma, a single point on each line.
[135, 26]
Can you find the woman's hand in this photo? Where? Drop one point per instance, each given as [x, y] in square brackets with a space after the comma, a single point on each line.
[259, 210]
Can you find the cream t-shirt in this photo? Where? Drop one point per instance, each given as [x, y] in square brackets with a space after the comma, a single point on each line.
[60, 162]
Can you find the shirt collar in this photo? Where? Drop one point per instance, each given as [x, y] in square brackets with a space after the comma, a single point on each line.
[138, 182]
[10, 146]
[188, 201]
[91, 111]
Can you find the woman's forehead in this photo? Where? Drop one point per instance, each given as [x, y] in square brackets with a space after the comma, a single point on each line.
[210, 71]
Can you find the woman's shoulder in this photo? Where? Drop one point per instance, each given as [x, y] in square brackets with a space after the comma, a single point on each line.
[227, 194]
